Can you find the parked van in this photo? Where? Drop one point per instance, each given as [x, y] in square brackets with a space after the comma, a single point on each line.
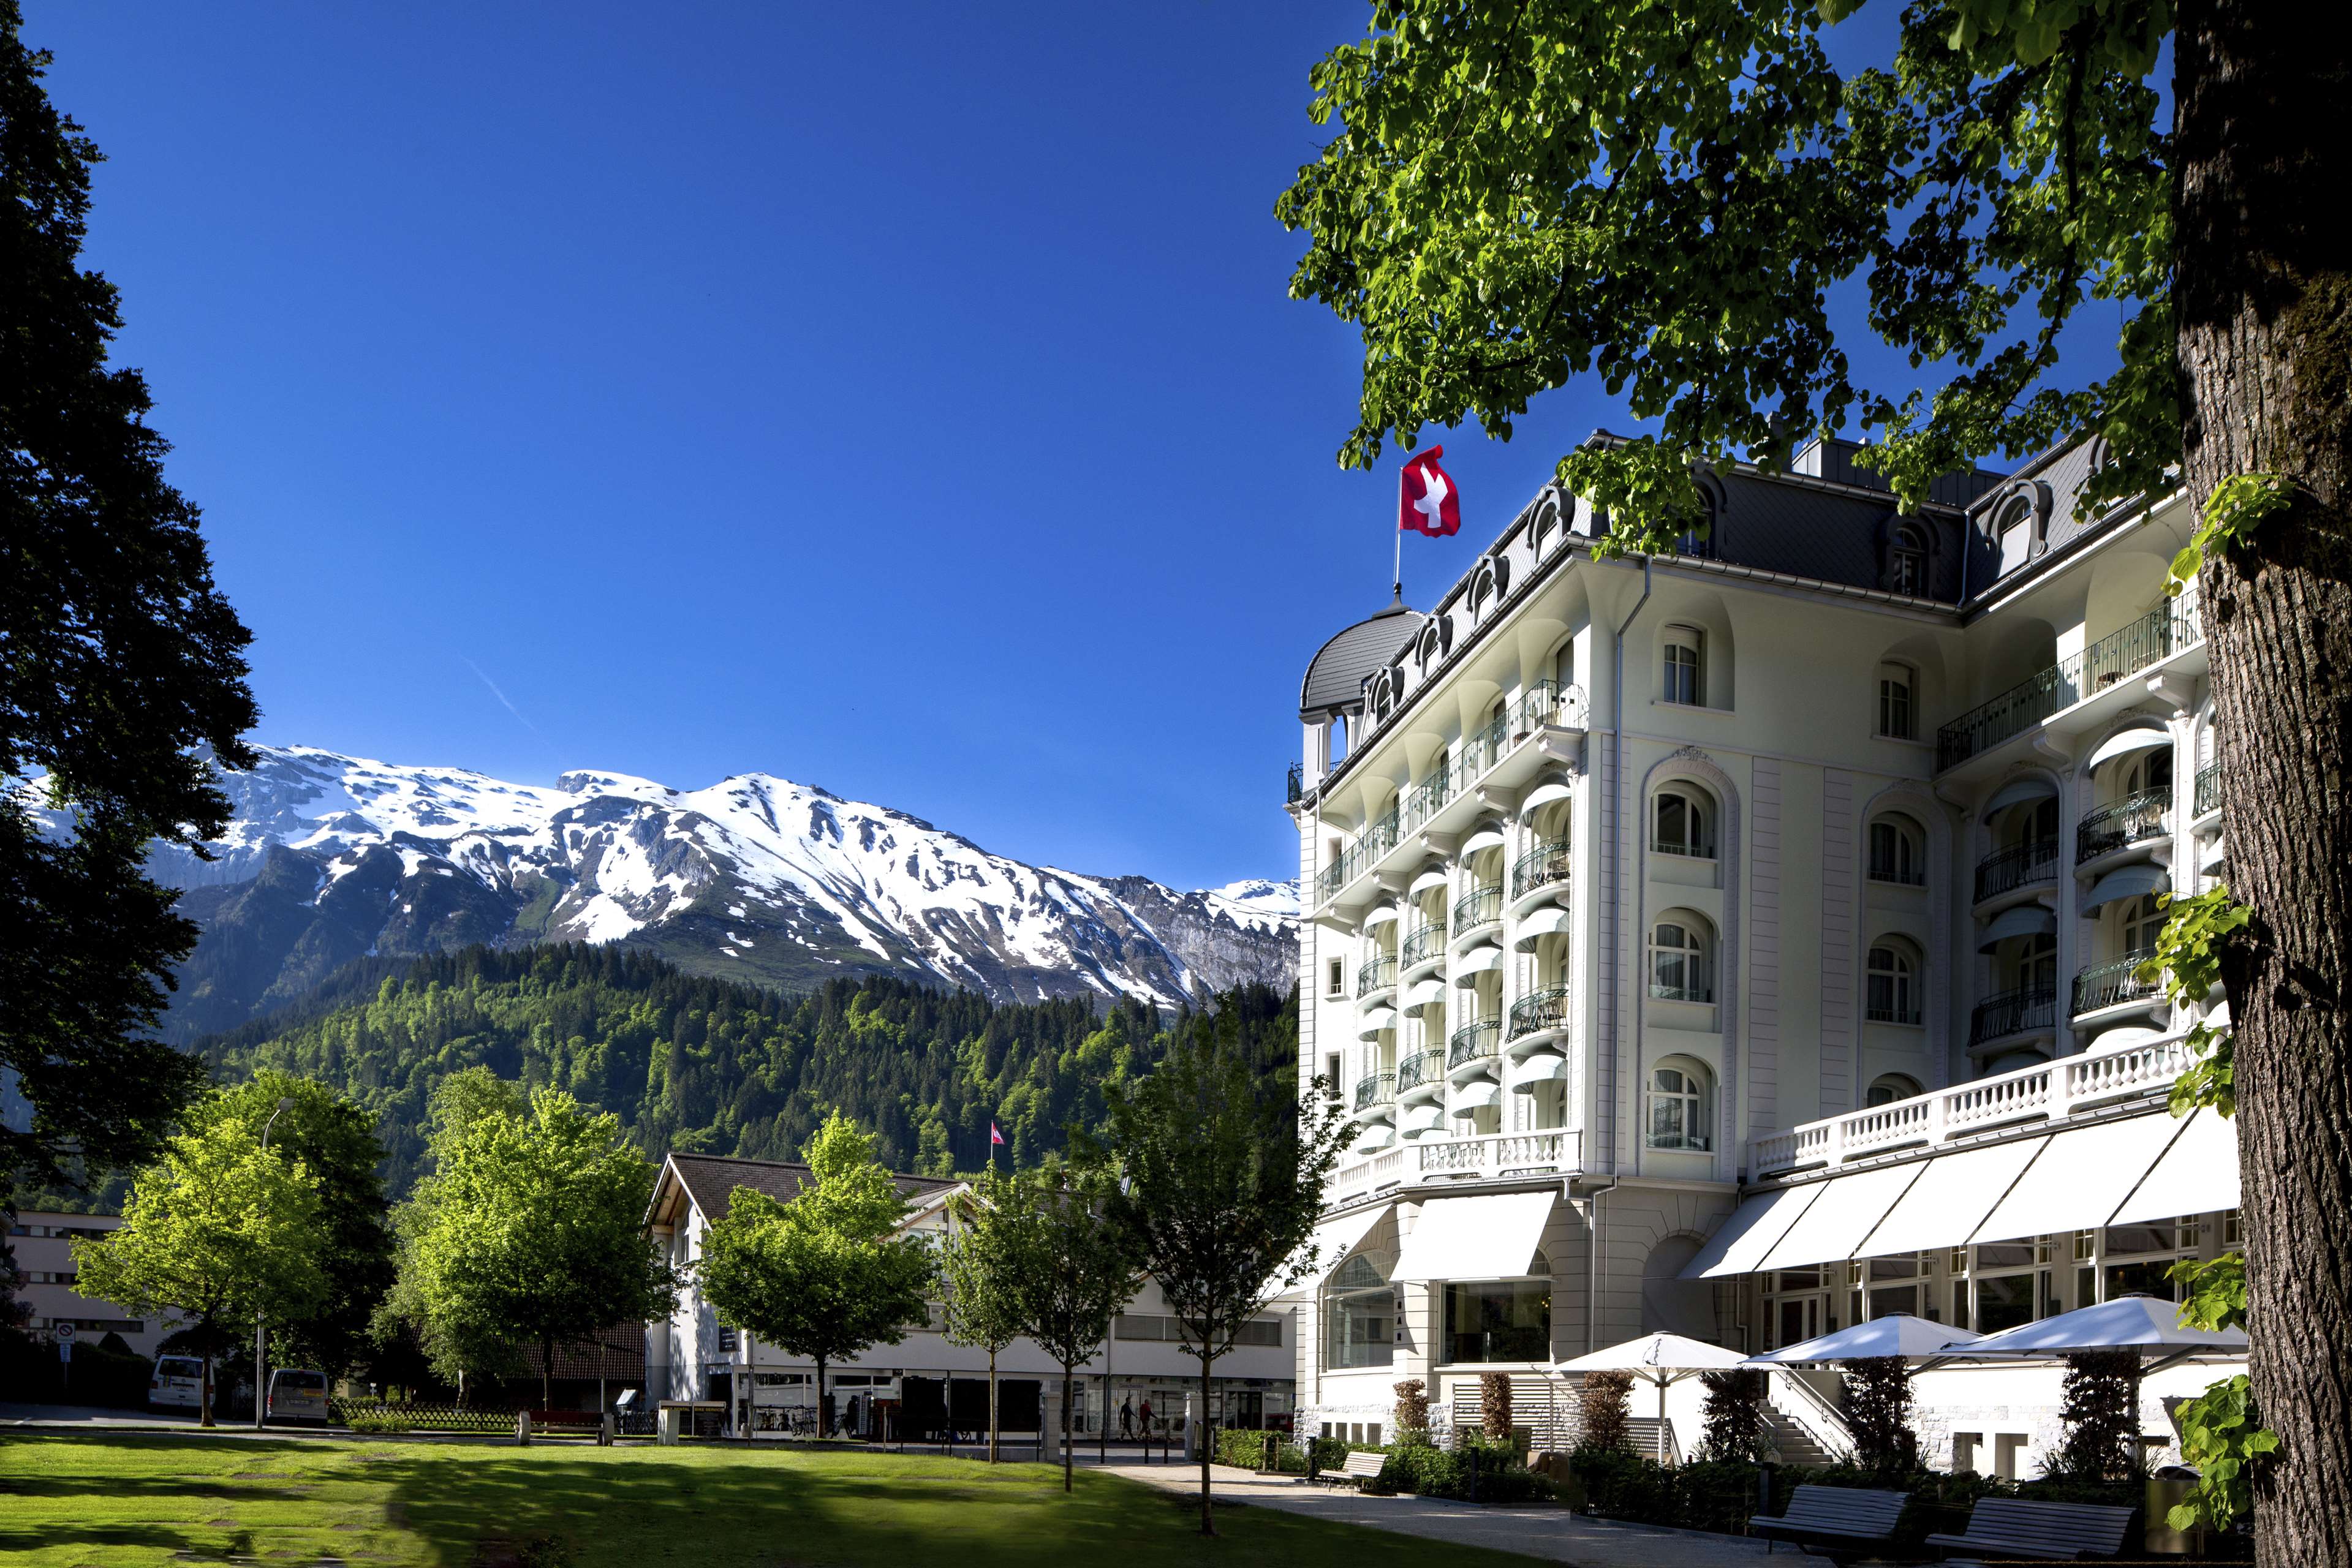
[297, 1394]
[178, 1384]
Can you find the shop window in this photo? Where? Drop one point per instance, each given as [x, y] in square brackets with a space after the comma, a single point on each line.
[1503, 1319]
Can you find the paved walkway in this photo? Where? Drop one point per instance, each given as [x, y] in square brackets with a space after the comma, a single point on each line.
[1553, 1533]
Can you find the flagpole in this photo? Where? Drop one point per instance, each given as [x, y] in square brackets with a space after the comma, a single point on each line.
[1398, 584]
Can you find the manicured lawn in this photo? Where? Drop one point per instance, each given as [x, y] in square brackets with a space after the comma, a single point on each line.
[71, 1501]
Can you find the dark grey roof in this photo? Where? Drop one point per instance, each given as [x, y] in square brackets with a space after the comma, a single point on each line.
[1335, 677]
[711, 1180]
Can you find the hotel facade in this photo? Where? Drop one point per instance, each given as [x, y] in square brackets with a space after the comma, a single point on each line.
[1743, 942]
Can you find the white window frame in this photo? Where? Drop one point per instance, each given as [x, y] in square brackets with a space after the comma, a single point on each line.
[1898, 701]
[1907, 866]
[1904, 982]
[1689, 1098]
[1698, 822]
[1692, 953]
[1907, 562]
[1683, 672]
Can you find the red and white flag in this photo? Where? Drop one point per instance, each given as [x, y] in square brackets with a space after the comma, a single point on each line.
[994, 1137]
[1426, 500]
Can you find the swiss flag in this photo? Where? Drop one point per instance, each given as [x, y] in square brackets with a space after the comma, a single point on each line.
[1426, 500]
[994, 1137]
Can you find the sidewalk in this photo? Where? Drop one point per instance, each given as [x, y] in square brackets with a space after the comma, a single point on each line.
[1548, 1532]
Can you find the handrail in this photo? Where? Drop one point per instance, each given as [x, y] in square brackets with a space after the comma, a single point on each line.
[1379, 974]
[2209, 789]
[1548, 701]
[1546, 863]
[2137, 816]
[1823, 1422]
[1421, 942]
[1375, 1089]
[1429, 797]
[1539, 1010]
[2156, 636]
[2013, 1013]
[2111, 984]
[1485, 746]
[1378, 838]
[1297, 783]
[1501, 1153]
[1420, 1068]
[1479, 907]
[2005, 871]
[1474, 1042]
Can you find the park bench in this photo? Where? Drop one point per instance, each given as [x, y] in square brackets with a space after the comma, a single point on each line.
[1838, 1522]
[1357, 1467]
[2058, 1531]
[561, 1423]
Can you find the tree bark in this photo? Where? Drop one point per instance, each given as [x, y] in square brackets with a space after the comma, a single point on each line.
[991, 1405]
[1201, 1436]
[204, 1394]
[547, 1374]
[1070, 1461]
[824, 1427]
[2265, 304]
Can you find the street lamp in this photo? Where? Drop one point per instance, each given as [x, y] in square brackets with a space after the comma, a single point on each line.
[285, 1103]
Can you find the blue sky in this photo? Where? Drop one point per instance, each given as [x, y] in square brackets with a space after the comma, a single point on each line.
[911, 407]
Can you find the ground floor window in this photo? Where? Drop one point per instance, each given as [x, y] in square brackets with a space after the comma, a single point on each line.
[1360, 1317]
[1503, 1320]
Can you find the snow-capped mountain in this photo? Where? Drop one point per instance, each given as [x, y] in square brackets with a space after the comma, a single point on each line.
[331, 858]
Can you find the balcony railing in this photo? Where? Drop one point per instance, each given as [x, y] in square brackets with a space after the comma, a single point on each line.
[1548, 701]
[1902, 875]
[1419, 1070]
[1297, 782]
[1422, 942]
[2157, 635]
[1428, 797]
[1500, 1154]
[2109, 985]
[1375, 1089]
[1473, 1041]
[2126, 822]
[1546, 863]
[2013, 1013]
[1377, 975]
[1539, 1010]
[1484, 749]
[2209, 789]
[2049, 1091]
[2006, 871]
[1479, 907]
[1368, 846]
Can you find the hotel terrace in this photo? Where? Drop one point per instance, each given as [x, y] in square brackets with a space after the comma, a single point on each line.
[1744, 943]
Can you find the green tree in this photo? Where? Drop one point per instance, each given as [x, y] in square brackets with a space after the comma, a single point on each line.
[530, 1231]
[1671, 195]
[826, 1274]
[216, 1230]
[1080, 1279]
[1221, 1181]
[120, 667]
[985, 1261]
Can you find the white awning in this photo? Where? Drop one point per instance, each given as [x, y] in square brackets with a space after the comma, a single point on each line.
[1849, 1209]
[1543, 795]
[1377, 1136]
[2080, 1178]
[2126, 882]
[1742, 1241]
[1950, 1199]
[1425, 992]
[2198, 1174]
[1548, 921]
[1335, 1241]
[1483, 838]
[1380, 916]
[2025, 920]
[1543, 1067]
[2016, 792]
[2218, 1015]
[1467, 968]
[2213, 856]
[1421, 1118]
[1475, 1096]
[1373, 1022]
[2123, 1037]
[1433, 877]
[1490, 1237]
[2141, 739]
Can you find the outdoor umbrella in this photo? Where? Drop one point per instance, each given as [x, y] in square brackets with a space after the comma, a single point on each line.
[1659, 1358]
[1898, 1334]
[2148, 1324]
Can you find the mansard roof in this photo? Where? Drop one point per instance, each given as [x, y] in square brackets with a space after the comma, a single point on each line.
[1334, 676]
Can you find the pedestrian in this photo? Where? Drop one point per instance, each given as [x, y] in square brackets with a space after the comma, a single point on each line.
[1147, 1415]
[1127, 1418]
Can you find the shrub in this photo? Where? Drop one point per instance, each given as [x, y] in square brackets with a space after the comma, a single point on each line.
[2102, 1417]
[377, 1424]
[1413, 1409]
[1489, 1471]
[1495, 1406]
[1603, 1408]
[1735, 1426]
[1878, 1413]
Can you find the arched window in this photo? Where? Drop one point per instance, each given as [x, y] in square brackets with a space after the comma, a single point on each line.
[1896, 719]
[1359, 1312]
[2034, 966]
[1685, 671]
[1892, 990]
[1679, 1092]
[1887, 1088]
[2016, 533]
[1906, 561]
[1683, 823]
[1681, 966]
[2149, 771]
[2141, 925]
[1897, 851]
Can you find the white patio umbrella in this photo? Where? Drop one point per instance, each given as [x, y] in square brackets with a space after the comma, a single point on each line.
[1660, 1358]
[1896, 1333]
[2148, 1324]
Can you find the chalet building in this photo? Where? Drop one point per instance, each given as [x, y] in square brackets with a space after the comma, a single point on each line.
[1745, 941]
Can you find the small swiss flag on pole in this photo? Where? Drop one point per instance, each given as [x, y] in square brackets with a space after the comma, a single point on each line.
[1426, 500]
[994, 1137]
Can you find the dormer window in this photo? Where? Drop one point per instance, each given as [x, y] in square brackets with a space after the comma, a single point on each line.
[1906, 561]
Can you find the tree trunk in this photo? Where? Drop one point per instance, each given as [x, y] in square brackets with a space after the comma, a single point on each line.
[1200, 1437]
[2265, 306]
[204, 1394]
[824, 1427]
[1069, 1460]
[991, 1404]
[547, 1374]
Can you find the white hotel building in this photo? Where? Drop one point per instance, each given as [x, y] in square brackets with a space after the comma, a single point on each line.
[1741, 943]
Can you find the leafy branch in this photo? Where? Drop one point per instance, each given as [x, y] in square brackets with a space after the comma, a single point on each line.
[2237, 506]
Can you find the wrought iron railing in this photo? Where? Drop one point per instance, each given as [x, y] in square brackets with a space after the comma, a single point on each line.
[1546, 863]
[2013, 1013]
[1428, 797]
[1895, 872]
[1378, 975]
[1368, 846]
[1421, 943]
[2159, 634]
[2107, 984]
[1484, 749]
[1479, 907]
[2005, 871]
[2209, 789]
[1473, 1040]
[1297, 782]
[2126, 822]
[1419, 1070]
[1548, 701]
[1539, 1010]
[1375, 1089]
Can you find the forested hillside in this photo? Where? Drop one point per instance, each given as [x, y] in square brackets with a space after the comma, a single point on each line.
[701, 1064]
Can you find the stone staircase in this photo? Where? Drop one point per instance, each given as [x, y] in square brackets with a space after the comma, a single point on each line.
[1795, 1445]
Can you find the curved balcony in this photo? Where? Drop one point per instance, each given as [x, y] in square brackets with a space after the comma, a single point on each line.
[2028, 1009]
[2007, 871]
[1539, 1013]
[2135, 819]
[1297, 784]
[1422, 945]
[1480, 906]
[1474, 1047]
[1542, 867]
[2115, 985]
[1420, 1076]
[2209, 790]
[1375, 980]
[1374, 1092]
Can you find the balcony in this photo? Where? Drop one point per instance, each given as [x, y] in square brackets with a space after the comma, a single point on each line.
[2006, 871]
[1485, 749]
[1543, 867]
[2026, 1100]
[1429, 797]
[1539, 1012]
[1548, 701]
[1422, 943]
[1357, 857]
[1374, 1091]
[2209, 790]
[1380, 975]
[1424, 1071]
[2021, 1012]
[1480, 906]
[2151, 639]
[1473, 1042]
[1297, 783]
[2113, 985]
[1446, 1160]
[2130, 820]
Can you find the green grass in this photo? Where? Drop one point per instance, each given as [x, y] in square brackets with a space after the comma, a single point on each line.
[72, 1501]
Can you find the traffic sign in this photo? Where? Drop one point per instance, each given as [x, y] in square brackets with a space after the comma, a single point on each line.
[61, 1333]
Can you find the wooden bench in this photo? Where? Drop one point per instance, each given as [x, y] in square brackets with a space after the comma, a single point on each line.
[2057, 1532]
[1357, 1467]
[560, 1423]
[1839, 1523]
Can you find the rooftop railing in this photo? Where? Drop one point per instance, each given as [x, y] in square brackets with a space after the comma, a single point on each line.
[1546, 863]
[2156, 636]
[2005, 871]
[2019, 1011]
[2111, 984]
[2129, 821]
